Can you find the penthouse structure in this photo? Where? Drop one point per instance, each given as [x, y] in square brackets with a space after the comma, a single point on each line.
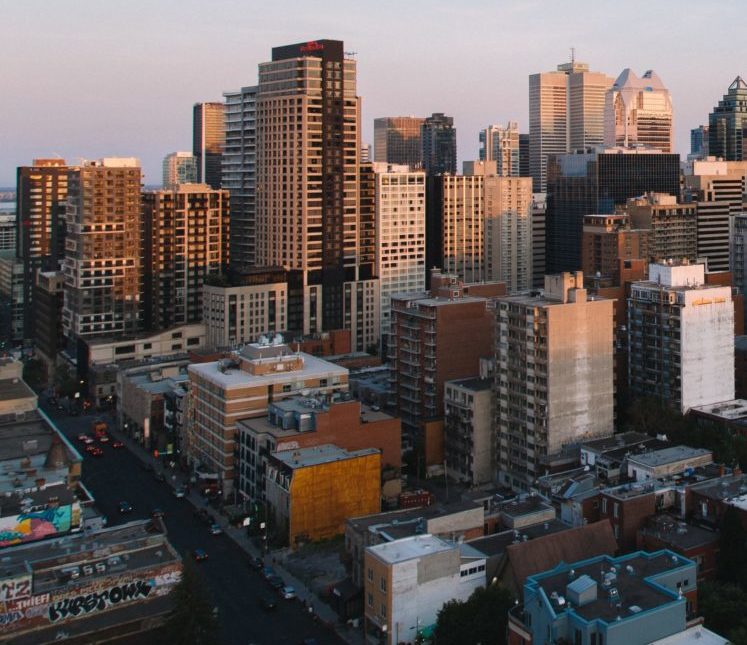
[681, 337]
[242, 387]
[554, 375]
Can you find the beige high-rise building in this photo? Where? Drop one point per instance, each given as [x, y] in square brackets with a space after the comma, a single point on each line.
[398, 140]
[308, 206]
[508, 232]
[103, 252]
[638, 112]
[179, 168]
[562, 390]
[501, 144]
[566, 112]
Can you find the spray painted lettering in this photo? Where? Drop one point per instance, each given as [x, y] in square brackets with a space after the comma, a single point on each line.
[85, 604]
[10, 617]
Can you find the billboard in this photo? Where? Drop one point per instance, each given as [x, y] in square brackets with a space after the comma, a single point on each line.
[35, 525]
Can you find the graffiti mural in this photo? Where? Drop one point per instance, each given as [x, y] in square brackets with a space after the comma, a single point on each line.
[27, 527]
[85, 604]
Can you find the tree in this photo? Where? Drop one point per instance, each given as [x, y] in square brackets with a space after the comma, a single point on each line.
[65, 382]
[481, 619]
[723, 608]
[732, 556]
[192, 620]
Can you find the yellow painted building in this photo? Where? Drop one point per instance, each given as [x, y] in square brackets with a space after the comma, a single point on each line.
[311, 492]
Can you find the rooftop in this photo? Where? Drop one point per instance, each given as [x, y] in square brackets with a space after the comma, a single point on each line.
[725, 488]
[675, 533]
[307, 457]
[626, 586]
[619, 440]
[410, 548]
[696, 634]
[474, 384]
[497, 543]
[667, 456]
[15, 388]
[728, 410]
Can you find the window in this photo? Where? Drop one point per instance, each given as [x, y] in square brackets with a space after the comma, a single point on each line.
[370, 600]
[604, 505]
[147, 346]
[383, 610]
[382, 583]
[370, 574]
[616, 510]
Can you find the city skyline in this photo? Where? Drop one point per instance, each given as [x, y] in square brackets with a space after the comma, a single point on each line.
[128, 98]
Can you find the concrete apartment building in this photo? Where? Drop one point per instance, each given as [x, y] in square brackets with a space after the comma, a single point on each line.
[681, 337]
[469, 431]
[310, 492]
[300, 422]
[409, 580]
[673, 226]
[208, 141]
[398, 140]
[435, 337]
[606, 240]
[566, 112]
[501, 144]
[244, 306]
[103, 253]
[41, 195]
[638, 112]
[239, 173]
[242, 387]
[400, 234]
[185, 242]
[554, 375]
[717, 190]
[179, 168]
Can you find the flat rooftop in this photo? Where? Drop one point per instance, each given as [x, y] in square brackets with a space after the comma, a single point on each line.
[306, 457]
[697, 635]
[634, 580]
[410, 548]
[667, 456]
[724, 488]
[620, 440]
[496, 544]
[12, 389]
[727, 410]
[474, 384]
[676, 533]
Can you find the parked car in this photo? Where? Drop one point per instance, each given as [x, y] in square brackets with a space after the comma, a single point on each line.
[180, 491]
[215, 529]
[125, 507]
[288, 592]
[159, 476]
[199, 555]
[203, 516]
[256, 563]
[276, 582]
[267, 572]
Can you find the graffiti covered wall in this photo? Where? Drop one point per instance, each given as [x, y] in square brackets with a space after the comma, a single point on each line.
[35, 525]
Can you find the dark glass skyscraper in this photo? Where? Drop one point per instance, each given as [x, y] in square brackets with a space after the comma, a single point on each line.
[439, 144]
[592, 183]
[208, 141]
[728, 122]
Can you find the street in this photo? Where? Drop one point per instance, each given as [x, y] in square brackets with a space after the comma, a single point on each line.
[234, 587]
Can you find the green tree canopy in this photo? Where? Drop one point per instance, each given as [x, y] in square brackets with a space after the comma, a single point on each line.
[732, 556]
[481, 619]
[724, 608]
[192, 621]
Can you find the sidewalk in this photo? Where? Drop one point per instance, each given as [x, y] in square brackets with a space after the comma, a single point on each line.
[175, 478]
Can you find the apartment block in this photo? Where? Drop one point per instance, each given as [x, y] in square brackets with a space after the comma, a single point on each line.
[300, 422]
[469, 431]
[408, 581]
[208, 141]
[240, 308]
[242, 387]
[179, 168]
[501, 144]
[185, 242]
[103, 249]
[681, 337]
[400, 235]
[673, 226]
[554, 375]
[398, 140]
[310, 492]
[48, 303]
[12, 281]
[606, 240]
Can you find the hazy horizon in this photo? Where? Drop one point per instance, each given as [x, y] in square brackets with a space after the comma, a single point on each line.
[89, 79]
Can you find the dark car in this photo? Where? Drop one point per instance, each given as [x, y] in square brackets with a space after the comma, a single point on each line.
[203, 516]
[159, 476]
[125, 507]
[276, 582]
[256, 563]
[267, 572]
[268, 603]
[199, 555]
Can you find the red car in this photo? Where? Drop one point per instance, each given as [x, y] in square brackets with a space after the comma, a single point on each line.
[94, 451]
[117, 444]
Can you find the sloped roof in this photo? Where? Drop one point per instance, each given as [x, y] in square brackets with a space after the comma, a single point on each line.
[544, 553]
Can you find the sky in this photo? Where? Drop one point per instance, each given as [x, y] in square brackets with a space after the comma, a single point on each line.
[93, 78]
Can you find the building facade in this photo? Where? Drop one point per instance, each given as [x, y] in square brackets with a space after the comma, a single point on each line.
[554, 375]
[179, 168]
[398, 140]
[208, 141]
[103, 254]
[48, 302]
[638, 112]
[727, 122]
[439, 143]
[185, 242]
[673, 226]
[501, 144]
[606, 240]
[681, 337]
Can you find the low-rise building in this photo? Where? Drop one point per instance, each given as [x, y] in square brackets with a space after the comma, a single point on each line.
[710, 499]
[631, 599]
[306, 421]
[310, 492]
[117, 579]
[666, 461]
[409, 580]
[729, 415]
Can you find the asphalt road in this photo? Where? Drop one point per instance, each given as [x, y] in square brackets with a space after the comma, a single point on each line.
[233, 586]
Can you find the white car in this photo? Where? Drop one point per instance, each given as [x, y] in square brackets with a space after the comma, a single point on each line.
[288, 593]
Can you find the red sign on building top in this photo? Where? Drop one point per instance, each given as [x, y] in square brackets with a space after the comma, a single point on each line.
[312, 46]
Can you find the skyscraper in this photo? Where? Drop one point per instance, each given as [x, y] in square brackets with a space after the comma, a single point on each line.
[501, 144]
[638, 112]
[439, 144]
[179, 168]
[239, 173]
[208, 140]
[308, 210]
[699, 142]
[398, 140]
[728, 122]
[592, 183]
[566, 113]
[185, 240]
[40, 218]
[524, 155]
[102, 267]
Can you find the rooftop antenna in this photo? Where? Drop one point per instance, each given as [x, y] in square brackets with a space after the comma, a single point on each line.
[573, 55]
